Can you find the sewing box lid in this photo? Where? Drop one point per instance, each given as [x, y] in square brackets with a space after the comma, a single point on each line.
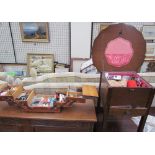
[119, 47]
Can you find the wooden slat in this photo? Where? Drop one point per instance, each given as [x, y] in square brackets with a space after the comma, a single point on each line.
[88, 90]
[122, 111]
[18, 91]
[30, 97]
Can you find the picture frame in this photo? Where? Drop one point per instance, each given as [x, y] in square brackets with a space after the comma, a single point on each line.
[148, 66]
[148, 32]
[34, 31]
[150, 50]
[104, 26]
[42, 63]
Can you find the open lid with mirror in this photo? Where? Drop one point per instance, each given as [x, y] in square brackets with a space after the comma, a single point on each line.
[119, 47]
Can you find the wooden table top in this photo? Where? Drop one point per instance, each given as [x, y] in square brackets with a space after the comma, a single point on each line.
[84, 112]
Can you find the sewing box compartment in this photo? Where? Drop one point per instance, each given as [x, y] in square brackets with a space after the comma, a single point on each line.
[30, 101]
[9, 93]
[123, 97]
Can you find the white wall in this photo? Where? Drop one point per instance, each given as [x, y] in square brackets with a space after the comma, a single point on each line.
[80, 39]
[6, 48]
[59, 43]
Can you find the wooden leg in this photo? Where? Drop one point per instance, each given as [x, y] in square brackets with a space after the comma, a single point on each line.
[105, 117]
[142, 123]
[98, 105]
[143, 118]
[99, 92]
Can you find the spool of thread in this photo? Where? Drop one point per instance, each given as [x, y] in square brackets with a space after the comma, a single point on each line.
[131, 84]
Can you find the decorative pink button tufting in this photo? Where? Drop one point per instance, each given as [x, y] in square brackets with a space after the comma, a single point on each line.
[119, 52]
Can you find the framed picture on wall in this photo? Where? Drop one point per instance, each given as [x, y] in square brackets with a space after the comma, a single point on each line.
[148, 32]
[42, 63]
[150, 50]
[34, 31]
[148, 66]
[104, 26]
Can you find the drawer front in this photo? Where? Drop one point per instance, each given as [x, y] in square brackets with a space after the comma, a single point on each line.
[9, 128]
[61, 126]
[62, 129]
[119, 111]
[136, 97]
[13, 121]
[13, 124]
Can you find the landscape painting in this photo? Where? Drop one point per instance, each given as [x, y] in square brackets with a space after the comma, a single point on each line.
[34, 31]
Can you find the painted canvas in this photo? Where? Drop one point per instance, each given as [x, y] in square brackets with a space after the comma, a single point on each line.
[34, 31]
[42, 63]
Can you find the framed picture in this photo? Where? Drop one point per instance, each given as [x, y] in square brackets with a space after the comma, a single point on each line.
[148, 32]
[34, 32]
[104, 26]
[148, 66]
[42, 63]
[150, 50]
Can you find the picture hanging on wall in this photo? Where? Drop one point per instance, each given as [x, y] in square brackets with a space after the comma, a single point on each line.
[41, 63]
[148, 66]
[34, 31]
[105, 25]
[150, 50]
[148, 32]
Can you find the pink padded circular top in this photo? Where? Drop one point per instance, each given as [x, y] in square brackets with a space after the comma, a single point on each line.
[118, 52]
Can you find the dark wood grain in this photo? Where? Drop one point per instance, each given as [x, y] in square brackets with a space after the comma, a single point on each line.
[80, 117]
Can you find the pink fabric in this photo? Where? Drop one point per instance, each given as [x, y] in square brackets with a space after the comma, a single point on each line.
[119, 52]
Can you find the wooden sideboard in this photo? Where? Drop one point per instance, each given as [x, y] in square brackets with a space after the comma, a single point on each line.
[79, 117]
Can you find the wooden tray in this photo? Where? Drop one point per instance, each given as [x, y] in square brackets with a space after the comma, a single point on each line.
[26, 104]
[11, 94]
[71, 98]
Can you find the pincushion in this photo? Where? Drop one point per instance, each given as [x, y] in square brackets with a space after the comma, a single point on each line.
[131, 84]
